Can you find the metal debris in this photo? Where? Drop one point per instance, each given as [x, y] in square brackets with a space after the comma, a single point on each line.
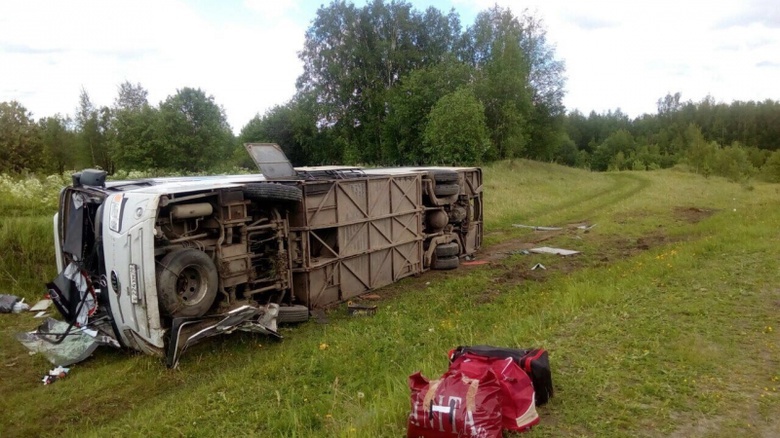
[41, 305]
[538, 266]
[360, 310]
[557, 251]
[535, 228]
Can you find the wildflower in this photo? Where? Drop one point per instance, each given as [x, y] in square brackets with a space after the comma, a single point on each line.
[323, 346]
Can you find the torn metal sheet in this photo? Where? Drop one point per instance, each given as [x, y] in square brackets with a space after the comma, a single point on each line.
[186, 332]
[586, 227]
[538, 266]
[535, 228]
[557, 251]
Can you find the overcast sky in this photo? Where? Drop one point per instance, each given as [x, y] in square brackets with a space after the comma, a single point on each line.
[618, 54]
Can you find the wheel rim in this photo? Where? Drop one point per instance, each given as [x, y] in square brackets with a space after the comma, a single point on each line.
[191, 285]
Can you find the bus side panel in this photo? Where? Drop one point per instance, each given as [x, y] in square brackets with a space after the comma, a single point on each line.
[359, 234]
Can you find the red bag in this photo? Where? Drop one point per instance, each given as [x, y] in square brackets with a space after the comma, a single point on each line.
[535, 363]
[456, 405]
[518, 409]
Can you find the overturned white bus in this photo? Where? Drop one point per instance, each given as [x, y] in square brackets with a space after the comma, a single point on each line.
[160, 263]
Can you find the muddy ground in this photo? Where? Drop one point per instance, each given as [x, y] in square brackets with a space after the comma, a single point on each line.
[512, 261]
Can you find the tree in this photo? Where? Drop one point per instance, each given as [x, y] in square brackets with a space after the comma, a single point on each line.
[354, 56]
[700, 153]
[281, 125]
[733, 163]
[409, 104]
[502, 90]
[20, 147]
[567, 151]
[193, 132]
[771, 169]
[669, 104]
[546, 73]
[456, 132]
[58, 142]
[513, 54]
[137, 139]
[131, 97]
[613, 152]
[93, 134]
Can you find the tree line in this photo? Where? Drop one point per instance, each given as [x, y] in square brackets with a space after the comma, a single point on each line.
[382, 84]
[187, 131]
[739, 140]
[387, 84]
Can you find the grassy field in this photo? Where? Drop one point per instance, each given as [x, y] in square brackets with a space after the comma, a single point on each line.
[665, 325]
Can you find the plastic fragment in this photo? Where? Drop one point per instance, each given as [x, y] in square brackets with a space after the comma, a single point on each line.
[55, 374]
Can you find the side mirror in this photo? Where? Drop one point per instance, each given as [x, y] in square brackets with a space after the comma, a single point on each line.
[90, 177]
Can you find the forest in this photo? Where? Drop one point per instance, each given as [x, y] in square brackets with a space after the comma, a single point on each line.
[387, 84]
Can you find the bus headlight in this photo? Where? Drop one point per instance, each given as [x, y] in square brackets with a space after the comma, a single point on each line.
[115, 212]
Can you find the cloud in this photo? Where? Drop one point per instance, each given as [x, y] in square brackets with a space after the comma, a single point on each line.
[271, 8]
[590, 22]
[57, 48]
[244, 52]
[13, 48]
[761, 12]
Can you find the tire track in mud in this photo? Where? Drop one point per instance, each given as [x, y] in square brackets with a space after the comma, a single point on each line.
[624, 186]
[566, 214]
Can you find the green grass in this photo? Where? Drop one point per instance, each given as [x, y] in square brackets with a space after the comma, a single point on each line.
[27, 255]
[666, 324]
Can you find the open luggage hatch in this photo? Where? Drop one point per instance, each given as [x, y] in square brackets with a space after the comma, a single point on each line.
[271, 161]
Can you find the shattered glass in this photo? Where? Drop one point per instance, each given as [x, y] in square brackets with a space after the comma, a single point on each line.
[77, 345]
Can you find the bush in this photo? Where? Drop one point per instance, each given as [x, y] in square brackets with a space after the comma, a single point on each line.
[29, 195]
[733, 163]
[771, 169]
[456, 132]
